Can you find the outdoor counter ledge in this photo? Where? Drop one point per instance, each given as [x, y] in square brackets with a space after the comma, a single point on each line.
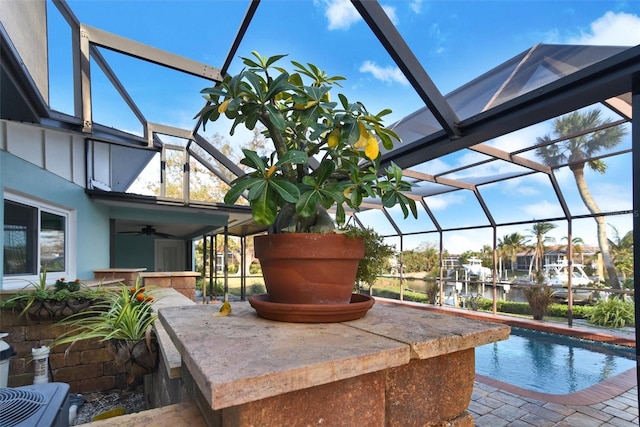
[396, 366]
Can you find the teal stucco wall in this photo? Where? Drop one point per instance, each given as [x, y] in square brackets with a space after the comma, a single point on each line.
[92, 232]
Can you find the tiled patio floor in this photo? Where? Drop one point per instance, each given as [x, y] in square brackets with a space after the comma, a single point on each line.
[494, 407]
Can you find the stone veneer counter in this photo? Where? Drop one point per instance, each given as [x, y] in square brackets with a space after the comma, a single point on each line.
[396, 366]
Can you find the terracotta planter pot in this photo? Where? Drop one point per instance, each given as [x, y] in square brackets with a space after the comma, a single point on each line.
[307, 268]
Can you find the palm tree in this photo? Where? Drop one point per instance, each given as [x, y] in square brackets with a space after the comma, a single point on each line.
[539, 231]
[510, 245]
[578, 150]
[622, 251]
[576, 243]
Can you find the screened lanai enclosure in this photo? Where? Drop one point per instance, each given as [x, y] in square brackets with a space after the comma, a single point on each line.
[542, 135]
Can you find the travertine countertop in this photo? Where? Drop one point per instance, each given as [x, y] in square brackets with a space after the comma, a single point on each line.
[243, 358]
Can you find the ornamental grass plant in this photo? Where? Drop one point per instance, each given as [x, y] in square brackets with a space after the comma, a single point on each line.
[126, 314]
[50, 301]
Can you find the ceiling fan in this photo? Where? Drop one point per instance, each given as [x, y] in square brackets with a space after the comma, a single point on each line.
[148, 230]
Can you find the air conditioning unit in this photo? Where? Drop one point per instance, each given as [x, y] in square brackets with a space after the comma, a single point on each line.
[42, 405]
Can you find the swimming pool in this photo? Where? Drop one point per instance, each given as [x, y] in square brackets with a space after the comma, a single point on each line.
[551, 363]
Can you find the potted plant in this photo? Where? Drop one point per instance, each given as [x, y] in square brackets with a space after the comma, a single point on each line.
[124, 320]
[325, 156]
[42, 301]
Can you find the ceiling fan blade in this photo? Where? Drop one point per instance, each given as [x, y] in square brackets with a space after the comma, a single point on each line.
[164, 235]
[148, 230]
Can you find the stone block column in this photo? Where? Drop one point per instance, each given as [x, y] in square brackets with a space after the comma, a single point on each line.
[397, 366]
[182, 281]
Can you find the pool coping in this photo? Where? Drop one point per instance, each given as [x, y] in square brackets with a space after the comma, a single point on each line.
[597, 393]
[538, 325]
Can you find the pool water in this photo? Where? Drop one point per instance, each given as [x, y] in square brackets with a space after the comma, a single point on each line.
[551, 363]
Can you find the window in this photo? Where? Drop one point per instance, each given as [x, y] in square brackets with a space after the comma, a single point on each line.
[35, 239]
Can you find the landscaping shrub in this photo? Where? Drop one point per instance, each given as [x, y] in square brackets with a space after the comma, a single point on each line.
[613, 312]
[256, 289]
[483, 304]
[539, 300]
[432, 291]
[522, 308]
[408, 295]
[562, 310]
[255, 268]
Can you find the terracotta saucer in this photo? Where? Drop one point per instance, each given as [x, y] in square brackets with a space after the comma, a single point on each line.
[311, 313]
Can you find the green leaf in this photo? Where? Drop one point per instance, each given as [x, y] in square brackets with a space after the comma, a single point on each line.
[324, 171]
[295, 157]
[296, 80]
[351, 132]
[355, 199]
[309, 181]
[344, 101]
[340, 214]
[287, 190]
[276, 117]
[279, 84]
[237, 188]
[259, 188]
[273, 59]
[384, 112]
[264, 209]
[387, 143]
[253, 160]
[307, 203]
[258, 85]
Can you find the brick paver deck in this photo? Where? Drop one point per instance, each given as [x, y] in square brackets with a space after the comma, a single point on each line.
[496, 407]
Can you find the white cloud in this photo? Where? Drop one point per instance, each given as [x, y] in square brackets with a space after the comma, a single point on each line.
[457, 242]
[387, 74]
[612, 29]
[542, 209]
[416, 6]
[391, 13]
[341, 14]
[444, 201]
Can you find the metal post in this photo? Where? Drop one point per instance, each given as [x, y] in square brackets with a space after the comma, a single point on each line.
[495, 255]
[635, 144]
[225, 263]
[570, 273]
[441, 290]
[401, 270]
[214, 272]
[243, 272]
[205, 260]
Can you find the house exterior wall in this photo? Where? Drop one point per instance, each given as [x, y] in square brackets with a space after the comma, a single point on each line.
[134, 252]
[48, 165]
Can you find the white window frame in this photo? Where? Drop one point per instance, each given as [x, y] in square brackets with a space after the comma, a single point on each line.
[69, 215]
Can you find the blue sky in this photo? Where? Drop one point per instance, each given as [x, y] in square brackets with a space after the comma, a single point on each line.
[455, 41]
